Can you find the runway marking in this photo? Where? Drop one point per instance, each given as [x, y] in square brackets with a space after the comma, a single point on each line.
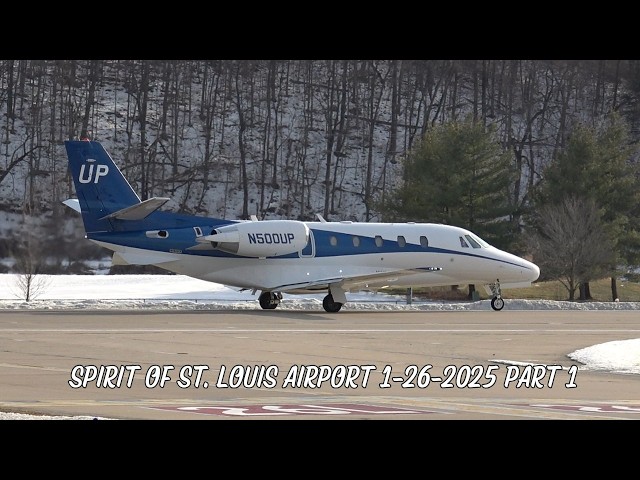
[420, 406]
[322, 330]
[32, 367]
[393, 405]
[590, 408]
[498, 407]
[272, 410]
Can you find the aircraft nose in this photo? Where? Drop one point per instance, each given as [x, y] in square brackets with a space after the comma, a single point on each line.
[524, 271]
[534, 271]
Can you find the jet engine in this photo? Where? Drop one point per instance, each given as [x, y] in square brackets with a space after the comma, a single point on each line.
[269, 238]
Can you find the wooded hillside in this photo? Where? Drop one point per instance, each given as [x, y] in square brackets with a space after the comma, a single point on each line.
[287, 138]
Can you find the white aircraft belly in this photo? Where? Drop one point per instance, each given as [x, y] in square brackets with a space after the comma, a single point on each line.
[369, 271]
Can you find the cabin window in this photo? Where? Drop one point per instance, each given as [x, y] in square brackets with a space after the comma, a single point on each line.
[356, 241]
[424, 243]
[198, 231]
[463, 243]
[333, 240]
[473, 243]
[401, 241]
[379, 241]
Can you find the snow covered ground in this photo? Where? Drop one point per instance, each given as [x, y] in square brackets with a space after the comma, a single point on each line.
[178, 292]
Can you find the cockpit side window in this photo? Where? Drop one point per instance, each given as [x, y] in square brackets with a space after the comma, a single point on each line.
[424, 241]
[463, 243]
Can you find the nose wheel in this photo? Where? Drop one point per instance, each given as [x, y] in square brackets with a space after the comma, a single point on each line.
[497, 303]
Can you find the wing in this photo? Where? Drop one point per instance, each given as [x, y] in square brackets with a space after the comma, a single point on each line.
[353, 281]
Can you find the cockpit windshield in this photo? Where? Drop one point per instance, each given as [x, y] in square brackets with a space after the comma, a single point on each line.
[475, 241]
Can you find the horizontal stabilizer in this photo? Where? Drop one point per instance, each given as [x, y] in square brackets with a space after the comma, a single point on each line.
[139, 210]
[73, 203]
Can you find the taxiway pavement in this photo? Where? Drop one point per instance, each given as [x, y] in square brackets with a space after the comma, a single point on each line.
[239, 365]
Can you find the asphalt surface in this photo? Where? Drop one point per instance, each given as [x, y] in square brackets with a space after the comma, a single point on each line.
[293, 365]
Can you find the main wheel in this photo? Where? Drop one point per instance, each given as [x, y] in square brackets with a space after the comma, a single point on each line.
[497, 303]
[329, 305]
[268, 300]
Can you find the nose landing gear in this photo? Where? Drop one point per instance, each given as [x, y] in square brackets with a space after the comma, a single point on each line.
[497, 303]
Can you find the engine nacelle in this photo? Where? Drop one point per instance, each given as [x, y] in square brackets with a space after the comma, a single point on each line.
[268, 238]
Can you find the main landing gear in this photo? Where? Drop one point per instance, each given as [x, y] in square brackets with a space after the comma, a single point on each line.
[269, 300]
[497, 303]
[330, 305]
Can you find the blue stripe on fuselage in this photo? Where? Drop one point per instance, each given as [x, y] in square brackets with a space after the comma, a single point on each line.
[179, 239]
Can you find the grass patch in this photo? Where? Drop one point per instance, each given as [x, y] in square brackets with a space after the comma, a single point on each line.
[628, 291]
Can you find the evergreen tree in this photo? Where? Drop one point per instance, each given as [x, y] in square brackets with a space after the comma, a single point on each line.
[457, 175]
[597, 164]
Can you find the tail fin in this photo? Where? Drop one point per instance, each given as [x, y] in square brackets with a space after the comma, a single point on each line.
[101, 188]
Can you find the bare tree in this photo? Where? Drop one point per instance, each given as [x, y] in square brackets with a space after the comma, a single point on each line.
[31, 285]
[242, 126]
[376, 89]
[21, 153]
[571, 244]
[30, 262]
[210, 103]
[92, 78]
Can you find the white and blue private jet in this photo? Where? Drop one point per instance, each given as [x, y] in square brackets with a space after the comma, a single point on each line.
[282, 256]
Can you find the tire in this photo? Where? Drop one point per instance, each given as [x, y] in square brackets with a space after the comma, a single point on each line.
[329, 305]
[268, 300]
[497, 303]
